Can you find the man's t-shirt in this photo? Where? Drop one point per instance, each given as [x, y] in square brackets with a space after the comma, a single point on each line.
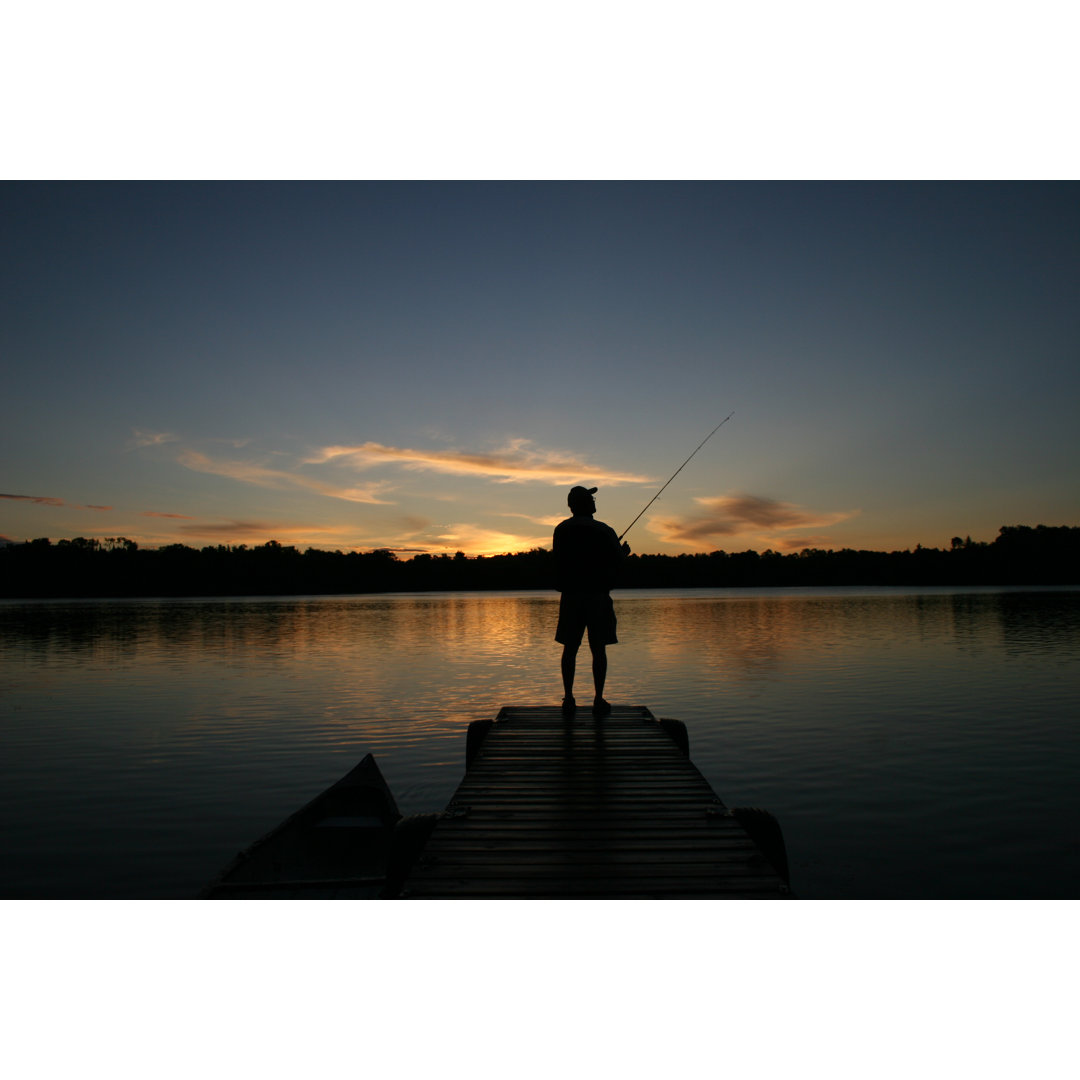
[587, 555]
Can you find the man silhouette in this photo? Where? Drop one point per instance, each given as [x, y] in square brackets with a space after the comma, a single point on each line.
[587, 561]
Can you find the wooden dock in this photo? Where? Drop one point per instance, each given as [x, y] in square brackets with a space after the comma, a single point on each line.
[587, 808]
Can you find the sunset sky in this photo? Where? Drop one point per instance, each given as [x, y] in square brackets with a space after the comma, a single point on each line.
[431, 366]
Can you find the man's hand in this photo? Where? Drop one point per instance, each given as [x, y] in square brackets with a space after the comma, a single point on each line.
[625, 549]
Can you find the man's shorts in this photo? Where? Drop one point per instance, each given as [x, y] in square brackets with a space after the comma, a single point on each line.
[592, 610]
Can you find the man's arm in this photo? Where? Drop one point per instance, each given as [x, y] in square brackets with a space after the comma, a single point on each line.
[618, 555]
[558, 551]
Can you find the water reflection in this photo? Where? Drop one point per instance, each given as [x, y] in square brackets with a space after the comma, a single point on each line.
[1043, 623]
[752, 637]
[878, 725]
[744, 634]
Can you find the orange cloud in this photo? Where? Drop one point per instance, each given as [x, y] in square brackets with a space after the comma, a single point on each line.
[408, 534]
[518, 462]
[548, 520]
[252, 473]
[738, 515]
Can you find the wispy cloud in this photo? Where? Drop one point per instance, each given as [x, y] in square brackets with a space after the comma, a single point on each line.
[48, 500]
[332, 471]
[406, 534]
[41, 500]
[519, 461]
[256, 531]
[234, 530]
[253, 473]
[741, 515]
[140, 438]
[410, 525]
[548, 520]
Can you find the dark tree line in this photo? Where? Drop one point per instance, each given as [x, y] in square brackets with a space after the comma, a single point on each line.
[1020, 555]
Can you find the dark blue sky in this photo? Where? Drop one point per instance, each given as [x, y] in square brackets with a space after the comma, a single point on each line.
[901, 359]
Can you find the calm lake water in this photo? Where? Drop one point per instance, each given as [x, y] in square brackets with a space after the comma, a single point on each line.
[912, 743]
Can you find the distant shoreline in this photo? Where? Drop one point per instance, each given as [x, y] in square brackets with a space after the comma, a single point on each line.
[84, 569]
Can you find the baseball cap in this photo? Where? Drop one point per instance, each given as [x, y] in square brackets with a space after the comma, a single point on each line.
[579, 494]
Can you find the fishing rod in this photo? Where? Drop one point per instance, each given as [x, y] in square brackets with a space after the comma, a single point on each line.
[676, 473]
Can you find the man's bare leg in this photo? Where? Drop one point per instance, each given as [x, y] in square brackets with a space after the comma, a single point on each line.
[599, 674]
[569, 664]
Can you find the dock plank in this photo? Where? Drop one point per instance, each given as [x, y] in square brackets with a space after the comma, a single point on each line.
[588, 808]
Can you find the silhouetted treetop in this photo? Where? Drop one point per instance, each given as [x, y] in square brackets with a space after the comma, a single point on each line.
[116, 566]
